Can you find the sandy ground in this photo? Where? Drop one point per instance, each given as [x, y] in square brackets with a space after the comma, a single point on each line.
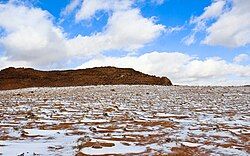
[126, 120]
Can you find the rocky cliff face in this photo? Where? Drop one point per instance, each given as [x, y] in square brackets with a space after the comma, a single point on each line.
[14, 78]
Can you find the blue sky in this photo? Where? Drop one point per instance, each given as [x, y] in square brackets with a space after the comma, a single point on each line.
[171, 13]
[194, 42]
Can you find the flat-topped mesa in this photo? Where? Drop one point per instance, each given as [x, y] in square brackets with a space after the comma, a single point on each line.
[15, 78]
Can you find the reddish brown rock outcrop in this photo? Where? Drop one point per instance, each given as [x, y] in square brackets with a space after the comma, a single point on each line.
[14, 78]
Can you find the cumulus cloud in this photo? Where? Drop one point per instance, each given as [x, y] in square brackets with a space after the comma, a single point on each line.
[226, 23]
[123, 32]
[211, 12]
[29, 33]
[180, 68]
[232, 29]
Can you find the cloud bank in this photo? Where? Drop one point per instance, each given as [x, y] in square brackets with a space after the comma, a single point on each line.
[180, 68]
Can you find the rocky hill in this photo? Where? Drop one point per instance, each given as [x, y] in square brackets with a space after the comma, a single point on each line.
[14, 78]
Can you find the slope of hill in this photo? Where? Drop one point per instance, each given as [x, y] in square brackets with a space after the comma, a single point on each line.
[14, 78]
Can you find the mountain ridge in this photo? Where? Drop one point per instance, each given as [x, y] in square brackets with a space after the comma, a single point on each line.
[16, 78]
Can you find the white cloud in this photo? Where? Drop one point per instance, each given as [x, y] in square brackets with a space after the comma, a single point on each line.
[4, 63]
[174, 29]
[241, 58]
[71, 7]
[224, 25]
[211, 12]
[90, 7]
[30, 34]
[232, 29]
[180, 68]
[122, 32]
[190, 39]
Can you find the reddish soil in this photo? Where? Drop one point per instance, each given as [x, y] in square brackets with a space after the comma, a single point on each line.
[15, 78]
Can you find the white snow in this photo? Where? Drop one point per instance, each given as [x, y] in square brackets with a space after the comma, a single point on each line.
[52, 121]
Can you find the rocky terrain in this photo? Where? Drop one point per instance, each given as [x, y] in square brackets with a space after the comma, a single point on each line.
[125, 120]
[14, 78]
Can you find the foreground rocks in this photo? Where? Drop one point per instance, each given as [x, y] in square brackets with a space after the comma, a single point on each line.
[14, 78]
[125, 120]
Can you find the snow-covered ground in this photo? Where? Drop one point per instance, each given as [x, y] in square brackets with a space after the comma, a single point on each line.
[125, 120]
